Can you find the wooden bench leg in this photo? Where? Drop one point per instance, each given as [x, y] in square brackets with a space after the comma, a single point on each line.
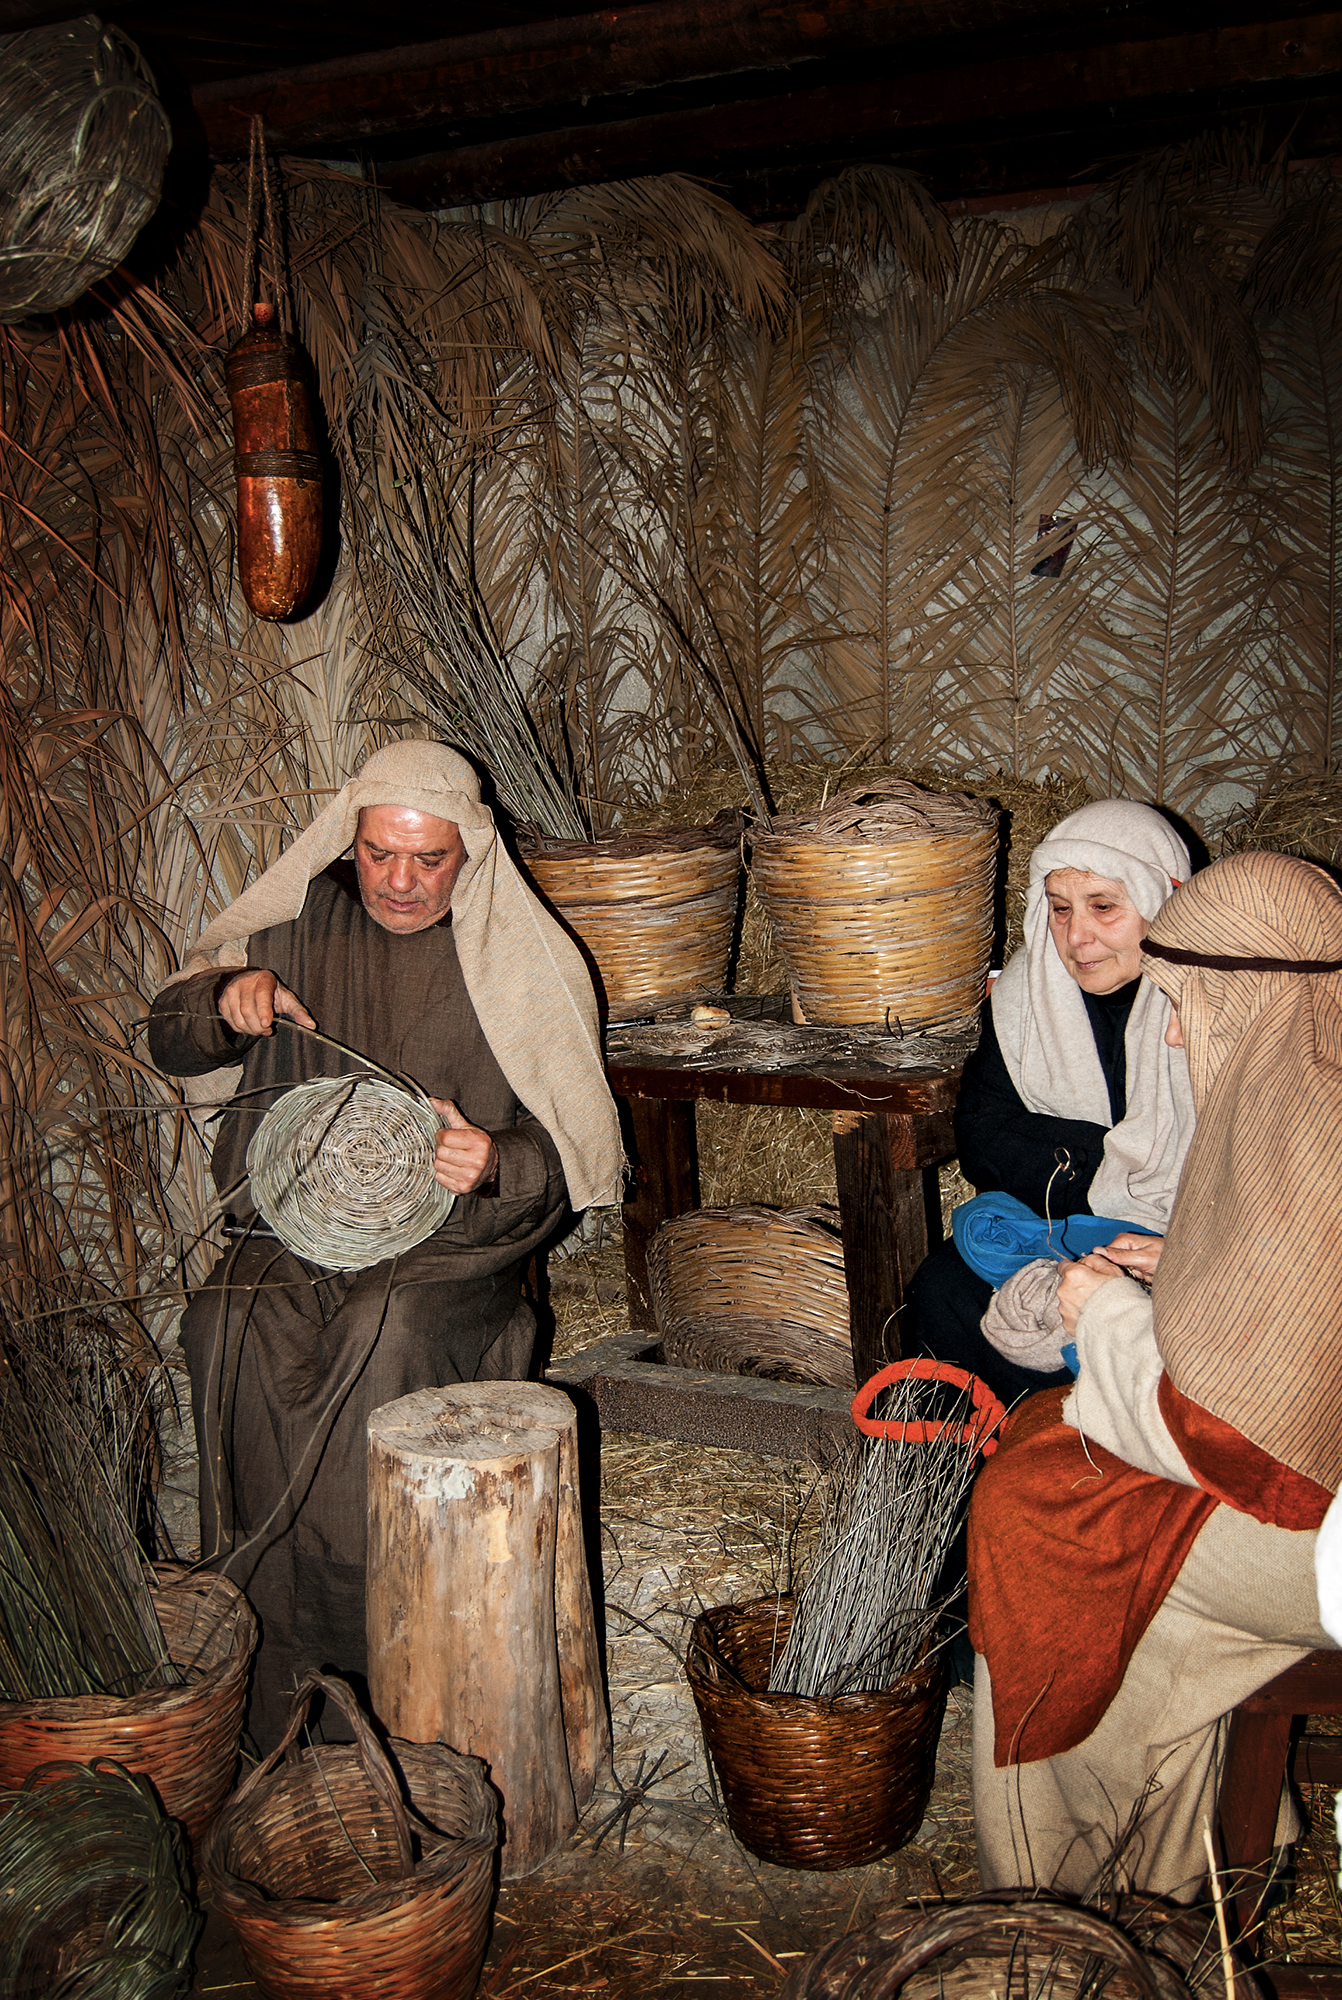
[1251, 1782]
[666, 1183]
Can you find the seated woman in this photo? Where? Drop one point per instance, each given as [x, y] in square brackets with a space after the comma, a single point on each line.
[1141, 1551]
[1071, 1103]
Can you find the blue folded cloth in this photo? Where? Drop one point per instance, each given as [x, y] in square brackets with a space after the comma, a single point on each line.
[996, 1234]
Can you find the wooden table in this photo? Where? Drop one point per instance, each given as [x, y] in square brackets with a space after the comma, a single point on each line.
[892, 1129]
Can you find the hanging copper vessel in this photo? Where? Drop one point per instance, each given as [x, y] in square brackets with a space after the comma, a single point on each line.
[278, 470]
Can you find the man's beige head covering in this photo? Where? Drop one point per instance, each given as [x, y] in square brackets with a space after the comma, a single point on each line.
[1045, 1035]
[526, 978]
[1248, 1293]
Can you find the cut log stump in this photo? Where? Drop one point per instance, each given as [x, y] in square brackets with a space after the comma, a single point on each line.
[480, 1625]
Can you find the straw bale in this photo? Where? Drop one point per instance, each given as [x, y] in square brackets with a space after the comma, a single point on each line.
[1303, 817]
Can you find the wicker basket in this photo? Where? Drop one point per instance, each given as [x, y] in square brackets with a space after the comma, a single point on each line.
[754, 1291]
[655, 912]
[334, 1889]
[811, 1782]
[184, 1739]
[882, 905]
[1016, 1948]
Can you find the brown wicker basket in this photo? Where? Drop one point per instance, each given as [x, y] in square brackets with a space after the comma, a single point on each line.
[184, 1739]
[882, 905]
[655, 911]
[811, 1783]
[754, 1291]
[337, 1891]
[1002, 1943]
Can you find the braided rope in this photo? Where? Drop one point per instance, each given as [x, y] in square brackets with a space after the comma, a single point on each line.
[342, 1170]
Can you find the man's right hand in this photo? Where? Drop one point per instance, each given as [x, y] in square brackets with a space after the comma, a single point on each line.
[252, 999]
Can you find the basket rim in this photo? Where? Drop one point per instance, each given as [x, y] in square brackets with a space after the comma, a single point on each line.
[156, 1702]
[914, 1686]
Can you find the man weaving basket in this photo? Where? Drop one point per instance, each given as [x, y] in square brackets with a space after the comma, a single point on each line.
[423, 949]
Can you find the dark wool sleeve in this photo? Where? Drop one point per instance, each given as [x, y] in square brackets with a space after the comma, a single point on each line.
[1002, 1146]
[187, 1034]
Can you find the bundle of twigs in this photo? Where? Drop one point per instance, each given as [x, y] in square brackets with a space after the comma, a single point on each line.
[95, 1890]
[76, 1608]
[868, 1606]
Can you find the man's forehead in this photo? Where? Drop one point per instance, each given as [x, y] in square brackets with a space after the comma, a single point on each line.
[402, 826]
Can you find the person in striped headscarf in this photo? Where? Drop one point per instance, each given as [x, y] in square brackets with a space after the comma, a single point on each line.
[1142, 1552]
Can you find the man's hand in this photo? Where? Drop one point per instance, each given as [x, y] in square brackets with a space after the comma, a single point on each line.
[1138, 1255]
[1079, 1280]
[466, 1156]
[251, 1000]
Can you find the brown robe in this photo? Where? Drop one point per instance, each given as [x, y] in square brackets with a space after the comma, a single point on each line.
[286, 1359]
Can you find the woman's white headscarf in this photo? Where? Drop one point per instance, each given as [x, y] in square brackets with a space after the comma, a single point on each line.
[1045, 1034]
[526, 978]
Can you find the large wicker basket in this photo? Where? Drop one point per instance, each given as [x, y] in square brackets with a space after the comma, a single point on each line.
[184, 1739]
[754, 1291]
[336, 1890]
[655, 912]
[1017, 1947]
[882, 905]
[811, 1782]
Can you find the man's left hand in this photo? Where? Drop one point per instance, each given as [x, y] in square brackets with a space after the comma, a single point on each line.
[1079, 1280]
[466, 1157]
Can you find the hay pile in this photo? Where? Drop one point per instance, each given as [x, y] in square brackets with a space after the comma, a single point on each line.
[1302, 817]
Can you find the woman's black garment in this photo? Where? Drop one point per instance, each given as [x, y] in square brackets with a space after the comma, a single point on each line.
[1048, 1163]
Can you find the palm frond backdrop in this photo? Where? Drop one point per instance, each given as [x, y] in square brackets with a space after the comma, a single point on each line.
[622, 486]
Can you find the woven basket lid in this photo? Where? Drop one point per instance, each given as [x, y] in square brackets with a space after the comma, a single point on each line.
[342, 1170]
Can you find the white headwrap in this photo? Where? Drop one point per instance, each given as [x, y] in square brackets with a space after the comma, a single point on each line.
[1045, 1034]
[526, 978]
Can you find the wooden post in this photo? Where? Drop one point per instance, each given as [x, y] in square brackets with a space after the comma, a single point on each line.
[884, 1214]
[480, 1626]
[666, 1183]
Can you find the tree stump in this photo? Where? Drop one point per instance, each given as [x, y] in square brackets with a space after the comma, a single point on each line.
[480, 1625]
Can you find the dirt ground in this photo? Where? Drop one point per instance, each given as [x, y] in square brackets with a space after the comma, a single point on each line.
[653, 1891]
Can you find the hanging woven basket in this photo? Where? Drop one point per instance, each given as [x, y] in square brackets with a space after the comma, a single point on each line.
[754, 1291]
[811, 1782]
[83, 144]
[348, 1877]
[342, 1170]
[185, 1739]
[882, 905]
[655, 912]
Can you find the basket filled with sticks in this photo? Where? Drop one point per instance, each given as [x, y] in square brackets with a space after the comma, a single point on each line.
[102, 1654]
[754, 1291]
[96, 1896]
[822, 1711]
[655, 913]
[882, 905]
[345, 1872]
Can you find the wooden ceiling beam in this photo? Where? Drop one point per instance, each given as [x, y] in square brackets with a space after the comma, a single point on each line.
[566, 61]
[899, 108]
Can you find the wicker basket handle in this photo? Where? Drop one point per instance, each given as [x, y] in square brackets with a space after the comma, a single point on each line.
[954, 1933]
[377, 1766]
[978, 1433]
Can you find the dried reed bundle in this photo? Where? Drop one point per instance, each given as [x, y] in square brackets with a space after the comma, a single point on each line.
[882, 903]
[96, 1889]
[77, 1613]
[747, 1291]
[342, 1170]
[1303, 817]
[83, 143]
[891, 1508]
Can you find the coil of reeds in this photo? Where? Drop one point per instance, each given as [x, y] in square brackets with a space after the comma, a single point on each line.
[1002, 1943]
[83, 144]
[754, 1291]
[342, 1170]
[185, 1739]
[882, 905]
[96, 1897]
[807, 1783]
[342, 1873]
[656, 912]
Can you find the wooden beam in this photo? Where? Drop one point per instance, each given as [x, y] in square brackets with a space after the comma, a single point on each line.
[520, 69]
[1074, 80]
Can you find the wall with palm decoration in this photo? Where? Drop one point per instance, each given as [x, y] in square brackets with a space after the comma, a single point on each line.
[627, 486]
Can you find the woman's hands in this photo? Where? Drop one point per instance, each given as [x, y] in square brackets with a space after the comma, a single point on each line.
[466, 1156]
[1134, 1254]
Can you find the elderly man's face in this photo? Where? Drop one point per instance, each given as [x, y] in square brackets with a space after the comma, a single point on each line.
[408, 864]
